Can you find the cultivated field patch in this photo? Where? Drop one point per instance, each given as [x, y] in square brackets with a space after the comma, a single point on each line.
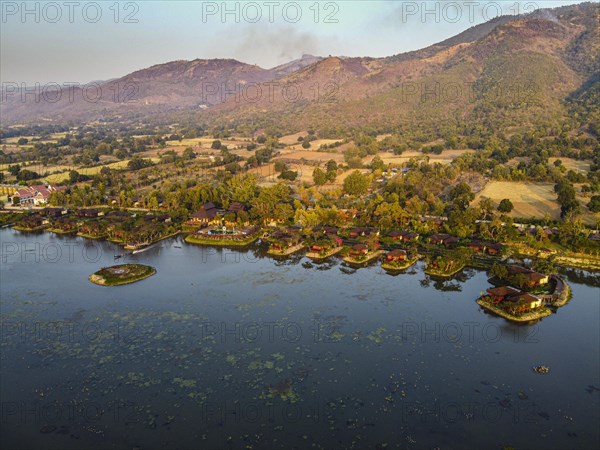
[529, 199]
[446, 157]
[573, 164]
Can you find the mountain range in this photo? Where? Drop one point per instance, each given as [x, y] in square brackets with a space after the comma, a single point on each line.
[510, 69]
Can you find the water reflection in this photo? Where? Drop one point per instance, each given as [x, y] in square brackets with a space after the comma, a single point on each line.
[229, 348]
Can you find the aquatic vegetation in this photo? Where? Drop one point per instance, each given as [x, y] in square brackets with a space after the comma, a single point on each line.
[269, 365]
[359, 371]
[181, 382]
[283, 390]
[377, 335]
[231, 359]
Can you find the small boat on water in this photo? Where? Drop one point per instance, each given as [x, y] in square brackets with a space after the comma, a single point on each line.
[541, 369]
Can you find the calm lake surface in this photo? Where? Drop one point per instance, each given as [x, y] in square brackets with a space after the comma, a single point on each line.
[229, 349]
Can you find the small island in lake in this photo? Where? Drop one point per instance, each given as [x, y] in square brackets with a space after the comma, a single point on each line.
[537, 293]
[285, 242]
[398, 260]
[361, 254]
[121, 274]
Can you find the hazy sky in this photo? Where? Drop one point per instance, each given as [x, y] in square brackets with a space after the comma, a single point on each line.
[80, 41]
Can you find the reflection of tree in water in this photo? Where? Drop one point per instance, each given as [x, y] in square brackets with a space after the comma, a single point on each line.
[440, 284]
[324, 265]
[581, 276]
[464, 275]
[259, 251]
[447, 286]
[394, 273]
[347, 269]
[290, 260]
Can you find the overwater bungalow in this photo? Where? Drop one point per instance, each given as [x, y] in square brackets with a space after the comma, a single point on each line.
[485, 247]
[531, 277]
[324, 250]
[499, 294]
[89, 213]
[285, 241]
[118, 215]
[64, 225]
[396, 255]
[443, 239]
[322, 229]
[359, 250]
[363, 232]
[409, 236]
[395, 235]
[32, 222]
[326, 244]
[510, 300]
[53, 212]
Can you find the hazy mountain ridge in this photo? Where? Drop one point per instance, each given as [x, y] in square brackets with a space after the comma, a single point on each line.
[554, 52]
[519, 70]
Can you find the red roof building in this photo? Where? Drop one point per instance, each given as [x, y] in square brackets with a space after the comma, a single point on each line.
[35, 195]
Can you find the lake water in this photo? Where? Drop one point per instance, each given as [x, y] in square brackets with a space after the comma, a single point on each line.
[228, 349]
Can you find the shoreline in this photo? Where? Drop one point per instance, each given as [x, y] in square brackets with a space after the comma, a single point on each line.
[58, 231]
[138, 247]
[288, 251]
[24, 229]
[435, 273]
[101, 281]
[89, 236]
[582, 262]
[368, 259]
[330, 253]
[191, 239]
[528, 317]
[406, 266]
[565, 296]
[564, 258]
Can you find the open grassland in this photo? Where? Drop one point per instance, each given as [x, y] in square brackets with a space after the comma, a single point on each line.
[291, 139]
[314, 145]
[588, 217]
[446, 157]
[264, 171]
[312, 156]
[4, 167]
[573, 164]
[532, 200]
[32, 139]
[195, 142]
[206, 142]
[529, 199]
[305, 172]
[155, 153]
[319, 142]
[268, 176]
[59, 177]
